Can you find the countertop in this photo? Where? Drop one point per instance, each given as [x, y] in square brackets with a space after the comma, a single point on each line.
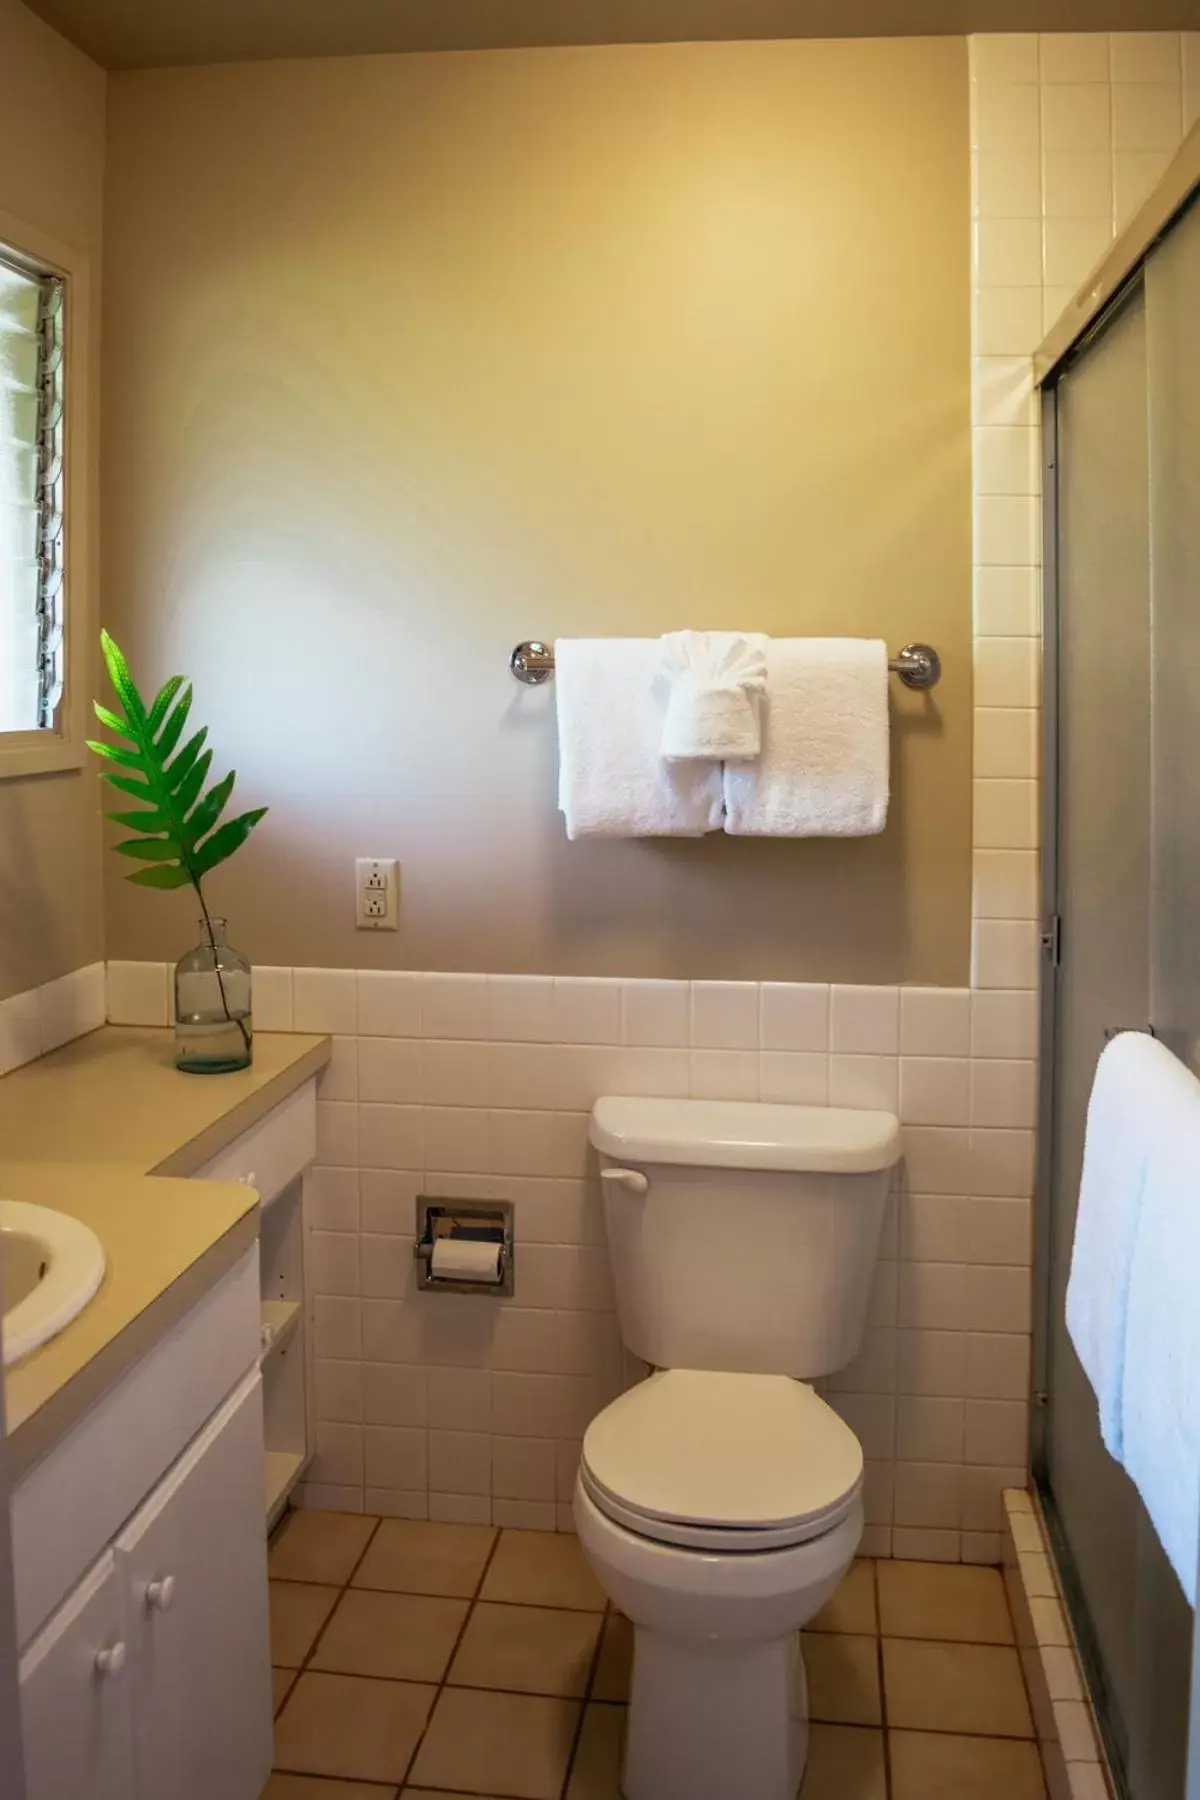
[107, 1130]
[115, 1096]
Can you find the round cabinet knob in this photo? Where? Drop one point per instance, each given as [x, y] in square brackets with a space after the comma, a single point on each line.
[111, 1660]
[159, 1594]
[632, 1180]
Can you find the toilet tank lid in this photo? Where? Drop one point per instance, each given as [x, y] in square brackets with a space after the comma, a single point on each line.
[743, 1134]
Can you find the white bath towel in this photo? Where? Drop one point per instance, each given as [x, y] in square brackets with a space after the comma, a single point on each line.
[716, 679]
[1133, 1080]
[613, 781]
[1160, 1395]
[823, 771]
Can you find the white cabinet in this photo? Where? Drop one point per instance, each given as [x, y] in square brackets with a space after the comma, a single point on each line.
[75, 1697]
[194, 1576]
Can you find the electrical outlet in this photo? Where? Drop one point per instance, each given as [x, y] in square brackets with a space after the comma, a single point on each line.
[377, 893]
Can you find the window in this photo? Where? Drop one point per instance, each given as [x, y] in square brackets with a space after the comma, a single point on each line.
[32, 430]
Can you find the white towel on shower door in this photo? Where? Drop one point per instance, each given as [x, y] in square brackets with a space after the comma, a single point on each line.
[613, 781]
[824, 767]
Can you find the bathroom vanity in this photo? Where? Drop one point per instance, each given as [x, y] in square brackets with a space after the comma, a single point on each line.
[140, 1491]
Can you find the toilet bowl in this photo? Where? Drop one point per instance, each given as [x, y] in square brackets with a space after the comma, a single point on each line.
[719, 1513]
[719, 1501]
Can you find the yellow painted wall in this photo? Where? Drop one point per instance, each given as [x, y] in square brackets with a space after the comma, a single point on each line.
[409, 358]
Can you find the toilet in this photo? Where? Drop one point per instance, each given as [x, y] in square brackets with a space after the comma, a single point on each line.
[719, 1501]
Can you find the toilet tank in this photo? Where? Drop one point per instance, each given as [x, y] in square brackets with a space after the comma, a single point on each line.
[743, 1237]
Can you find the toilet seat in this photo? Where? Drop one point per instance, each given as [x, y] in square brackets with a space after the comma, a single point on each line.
[716, 1461]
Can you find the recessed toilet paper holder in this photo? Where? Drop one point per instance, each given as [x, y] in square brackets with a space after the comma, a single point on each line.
[484, 1222]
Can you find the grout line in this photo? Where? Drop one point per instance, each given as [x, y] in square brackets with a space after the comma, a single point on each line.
[586, 1700]
[883, 1714]
[462, 1632]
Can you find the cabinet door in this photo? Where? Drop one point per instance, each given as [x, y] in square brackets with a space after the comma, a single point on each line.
[194, 1560]
[75, 1697]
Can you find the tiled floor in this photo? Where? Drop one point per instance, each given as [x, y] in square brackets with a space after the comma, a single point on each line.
[455, 1660]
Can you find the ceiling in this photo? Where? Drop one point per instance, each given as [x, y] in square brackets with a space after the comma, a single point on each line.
[143, 34]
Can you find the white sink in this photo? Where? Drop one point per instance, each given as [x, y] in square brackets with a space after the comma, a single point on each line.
[51, 1265]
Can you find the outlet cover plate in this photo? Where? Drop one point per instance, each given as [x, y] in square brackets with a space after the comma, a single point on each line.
[377, 893]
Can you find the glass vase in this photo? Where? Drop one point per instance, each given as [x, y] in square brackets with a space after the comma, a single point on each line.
[213, 1028]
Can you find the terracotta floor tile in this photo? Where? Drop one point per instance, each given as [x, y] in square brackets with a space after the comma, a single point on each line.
[313, 1787]
[936, 1766]
[281, 1682]
[512, 1743]
[596, 1773]
[319, 1546]
[845, 1762]
[298, 1611]
[348, 1726]
[616, 1660]
[843, 1679]
[974, 1688]
[414, 1557]
[405, 1637]
[527, 1649]
[542, 1568]
[852, 1606]
[952, 1602]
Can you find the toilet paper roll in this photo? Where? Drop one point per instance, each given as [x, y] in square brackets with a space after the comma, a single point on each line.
[466, 1259]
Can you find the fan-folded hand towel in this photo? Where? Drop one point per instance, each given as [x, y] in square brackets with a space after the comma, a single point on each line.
[613, 781]
[824, 767]
[716, 681]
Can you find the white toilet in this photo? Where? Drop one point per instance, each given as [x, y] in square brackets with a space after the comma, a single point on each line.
[719, 1501]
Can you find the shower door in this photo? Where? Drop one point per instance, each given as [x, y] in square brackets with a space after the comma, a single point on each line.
[1122, 444]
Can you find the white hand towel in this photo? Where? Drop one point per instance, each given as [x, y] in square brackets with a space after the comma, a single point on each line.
[613, 781]
[824, 770]
[1160, 1396]
[1134, 1080]
[716, 681]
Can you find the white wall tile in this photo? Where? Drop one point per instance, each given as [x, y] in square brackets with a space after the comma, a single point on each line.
[1002, 393]
[459, 1399]
[657, 1014]
[1072, 56]
[71, 1005]
[997, 1299]
[460, 1509]
[1073, 247]
[1004, 1093]
[928, 1494]
[271, 998]
[387, 1268]
[520, 1008]
[724, 1074]
[20, 1030]
[389, 1070]
[1005, 116]
[1007, 460]
[1007, 252]
[1007, 671]
[334, 1262]
[929, 1430]
[454, 1074]
[1008, 322]
[1007, 743]
[137, 993]
[586, 1011]
[865, 1020]
[794, 1077]
[1135, 174]
[1006, 184]
[337, 1133]
[387, 1201]
[1006, 884]
[1005, 953]
[1076, 116]
[1004, 1024]
[1191, 78]
[1006, 814]
[931, 1362]
[456, 1140]
[325, 1000]
[337, 1392]
[934, 1090]
[333, 1199]
[454, 1006]
[337, 1326]
[1003, 56]
[1077, 184]
[390, 1137]
[871, 1082]
[794, 1015]
[935, 1021]
[523, 1075]
[338, 1080]
[998, 1366]
[997, 1431]
[522, 1469]
[1146, 116]
[725, 1015]
[1007, 529]
[394, 1457]
[339, 1458]
[389, 1004]
[460, 1462]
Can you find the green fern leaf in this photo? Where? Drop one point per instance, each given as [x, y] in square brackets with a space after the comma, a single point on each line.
[122, 680]
[162, 703]
[172, 730]
[209, 810]
[175, 772]
[189, 791]
[129, 759]
[127, 784]
[113, 720]
[161, 875]
[225, 840]
[147, 819]
[148, 849]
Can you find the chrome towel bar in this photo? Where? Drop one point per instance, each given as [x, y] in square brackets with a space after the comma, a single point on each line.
[917, 665]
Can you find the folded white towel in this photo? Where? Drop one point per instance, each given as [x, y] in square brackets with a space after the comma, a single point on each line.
[1133, 1085]
[613, 781]
[1160, 1395]
[823, 771]
[716, 681]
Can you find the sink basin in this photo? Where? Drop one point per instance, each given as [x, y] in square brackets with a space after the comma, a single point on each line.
[50, 1266]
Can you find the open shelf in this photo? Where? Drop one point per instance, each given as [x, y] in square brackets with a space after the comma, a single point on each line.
[283, 1470]
[279, 1320]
